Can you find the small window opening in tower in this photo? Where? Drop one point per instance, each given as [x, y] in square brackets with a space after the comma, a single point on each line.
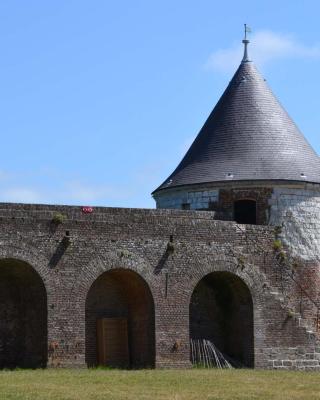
[185, 206]
[245, 212]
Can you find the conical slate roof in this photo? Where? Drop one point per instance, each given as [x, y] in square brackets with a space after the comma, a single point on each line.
[248, 136]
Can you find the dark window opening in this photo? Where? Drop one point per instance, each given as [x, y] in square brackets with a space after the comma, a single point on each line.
[245, 212]
[185, 206]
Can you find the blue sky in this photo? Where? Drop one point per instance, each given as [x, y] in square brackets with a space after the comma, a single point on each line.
[100, 99]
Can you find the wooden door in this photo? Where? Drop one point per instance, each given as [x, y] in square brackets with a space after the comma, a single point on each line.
[112, 339]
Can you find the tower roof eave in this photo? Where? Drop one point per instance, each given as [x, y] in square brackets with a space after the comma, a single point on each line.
[248, 136]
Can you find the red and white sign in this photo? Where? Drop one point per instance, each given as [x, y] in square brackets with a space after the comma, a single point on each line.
[87, 209]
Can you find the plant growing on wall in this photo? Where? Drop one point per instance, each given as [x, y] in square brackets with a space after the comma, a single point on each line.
[170, 247]
[280, 253]
[58, 218]
[241, 261]
[124, 253]
[277, 244]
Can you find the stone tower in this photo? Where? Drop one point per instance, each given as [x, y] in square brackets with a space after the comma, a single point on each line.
[251, 164]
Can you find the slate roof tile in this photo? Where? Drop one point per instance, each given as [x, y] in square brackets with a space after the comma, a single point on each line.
[249, 135]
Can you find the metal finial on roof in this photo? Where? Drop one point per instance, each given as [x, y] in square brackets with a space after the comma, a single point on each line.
[245, 41]
[247, 137]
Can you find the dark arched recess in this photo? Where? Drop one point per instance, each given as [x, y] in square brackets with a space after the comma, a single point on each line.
[123, 300]
[23, 316]
[221, 311]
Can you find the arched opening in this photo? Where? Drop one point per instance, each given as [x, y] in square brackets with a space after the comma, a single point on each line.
[120, 328]
[245, 212]
[23, 316]
[221, 312]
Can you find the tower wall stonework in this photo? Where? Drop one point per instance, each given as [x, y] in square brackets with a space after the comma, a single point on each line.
[219, 199]
[295, 206]
[298, 210]
[172, 251]
[200, 199]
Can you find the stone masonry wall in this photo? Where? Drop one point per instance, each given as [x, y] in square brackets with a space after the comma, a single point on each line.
[196, 199]
[220, 200]
[299, 212]
[171, 250]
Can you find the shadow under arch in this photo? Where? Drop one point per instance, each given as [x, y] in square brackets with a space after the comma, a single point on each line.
[221, 311]
[121, 294]
[23, 316]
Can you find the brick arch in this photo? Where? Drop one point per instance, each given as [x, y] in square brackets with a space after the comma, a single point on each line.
[120, 320]
[23, 315]
[103, 262]
[250, 275]
[30, 255]
[221, 311]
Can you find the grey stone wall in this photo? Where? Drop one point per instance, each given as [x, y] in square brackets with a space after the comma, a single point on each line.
[197, 199]
[170, 250]
[298, 210]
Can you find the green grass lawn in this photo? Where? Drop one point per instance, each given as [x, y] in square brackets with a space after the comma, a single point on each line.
[158, 384]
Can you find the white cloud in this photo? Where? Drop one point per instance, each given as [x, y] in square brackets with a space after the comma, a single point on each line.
[46, 186]
[265, 46]
[79, 191]
[20, 195]
[74, 192]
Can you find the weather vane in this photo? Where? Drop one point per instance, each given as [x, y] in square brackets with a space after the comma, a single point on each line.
[245, 41]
